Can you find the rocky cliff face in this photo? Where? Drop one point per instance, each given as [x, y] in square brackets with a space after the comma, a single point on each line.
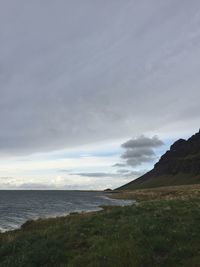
[183, 157]
[179, 165]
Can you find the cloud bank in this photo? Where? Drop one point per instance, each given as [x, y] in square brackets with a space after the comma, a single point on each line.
[125, 173]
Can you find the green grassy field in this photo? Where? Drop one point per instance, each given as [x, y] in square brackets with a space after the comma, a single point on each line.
[159, 232]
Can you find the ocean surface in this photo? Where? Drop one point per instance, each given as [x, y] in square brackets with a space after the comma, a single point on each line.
[16, 207]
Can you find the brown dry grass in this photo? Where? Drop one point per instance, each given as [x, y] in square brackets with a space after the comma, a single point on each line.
[160, 193]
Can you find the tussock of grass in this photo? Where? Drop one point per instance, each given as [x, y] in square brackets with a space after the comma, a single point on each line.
[155, 233]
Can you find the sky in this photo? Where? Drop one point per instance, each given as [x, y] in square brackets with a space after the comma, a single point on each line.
[93, 92]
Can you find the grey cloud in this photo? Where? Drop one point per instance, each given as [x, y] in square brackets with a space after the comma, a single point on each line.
[123, 171]
[119, 174]
[119, 165]
[139, 161]
[93, 174]
[140, 150]
[142, 142]
[138, 153]
[77, 72]
[103, 174]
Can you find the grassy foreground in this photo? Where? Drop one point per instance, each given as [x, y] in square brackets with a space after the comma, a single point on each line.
[159, 232]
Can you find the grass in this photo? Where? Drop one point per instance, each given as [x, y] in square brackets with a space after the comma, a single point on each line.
[160, 193]
[161, 181]
[163, 232]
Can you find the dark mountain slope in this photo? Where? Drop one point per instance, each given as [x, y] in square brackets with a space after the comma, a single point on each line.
[179, 165]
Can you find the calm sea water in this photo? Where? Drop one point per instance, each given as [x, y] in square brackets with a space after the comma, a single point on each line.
[16, 207]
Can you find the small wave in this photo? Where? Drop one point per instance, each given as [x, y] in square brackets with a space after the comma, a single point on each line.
[32, 205]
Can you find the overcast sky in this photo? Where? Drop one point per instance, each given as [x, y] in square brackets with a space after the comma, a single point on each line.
[78, 79]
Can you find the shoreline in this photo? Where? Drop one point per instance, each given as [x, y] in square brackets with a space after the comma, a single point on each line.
[132, 196]
[154, 232]
[126, 202]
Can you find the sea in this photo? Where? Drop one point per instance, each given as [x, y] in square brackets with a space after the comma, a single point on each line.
[18, 206]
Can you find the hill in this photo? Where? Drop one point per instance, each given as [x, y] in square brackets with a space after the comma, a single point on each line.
[178, 166]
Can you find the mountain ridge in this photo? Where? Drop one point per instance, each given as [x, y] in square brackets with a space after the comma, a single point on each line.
[179, 165]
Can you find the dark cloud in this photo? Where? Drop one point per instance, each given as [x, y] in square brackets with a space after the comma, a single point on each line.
[142, 142]
[136, 161]
[77, 72]
[140, 150]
